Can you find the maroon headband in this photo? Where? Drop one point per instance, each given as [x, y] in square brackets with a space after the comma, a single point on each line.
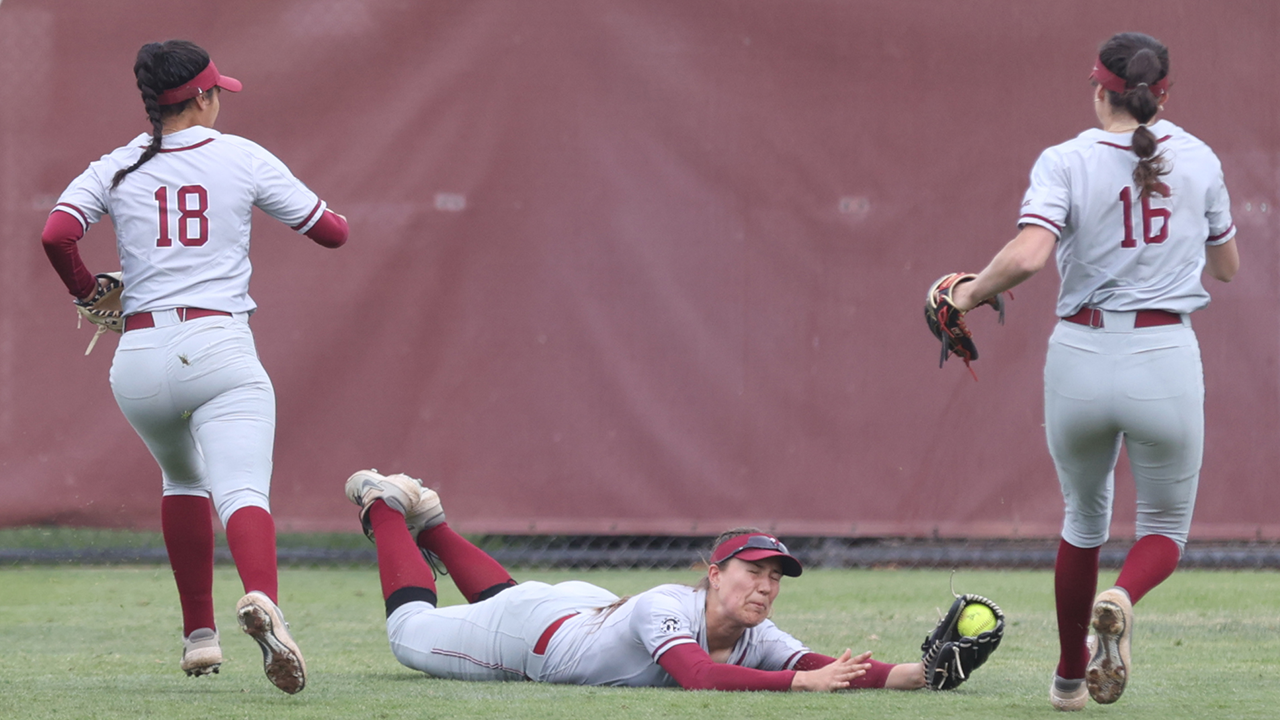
[1118, 85]
[205, 81]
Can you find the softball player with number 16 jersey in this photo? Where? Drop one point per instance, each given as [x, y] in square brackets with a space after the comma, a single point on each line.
[1137, 210]
[186, 373]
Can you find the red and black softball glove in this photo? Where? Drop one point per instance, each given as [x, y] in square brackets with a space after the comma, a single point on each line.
[946, 321]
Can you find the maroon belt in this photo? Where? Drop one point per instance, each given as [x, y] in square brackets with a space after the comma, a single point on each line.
[540, 647]
[1092, 317]
[143, 320]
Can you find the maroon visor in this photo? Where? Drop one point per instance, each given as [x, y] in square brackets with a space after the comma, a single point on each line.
[1118, 85]
[201, 83]
[755, 547]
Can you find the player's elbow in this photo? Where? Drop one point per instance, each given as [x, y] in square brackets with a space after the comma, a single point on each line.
[1224, 275]
[1028, 264]
[1029, 252]
[1222, 261]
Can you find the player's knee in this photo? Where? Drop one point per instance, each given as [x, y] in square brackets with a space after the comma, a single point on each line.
[227, 504]
[1085, 534]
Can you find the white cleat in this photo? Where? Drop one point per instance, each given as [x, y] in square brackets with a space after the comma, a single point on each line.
[400, 492]
[1068, 695]
[201, 653]
[261, 620]
[1110, 663]
[426, 512]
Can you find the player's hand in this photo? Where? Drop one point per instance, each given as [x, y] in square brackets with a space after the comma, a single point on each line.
[98, 286]
[839, 675]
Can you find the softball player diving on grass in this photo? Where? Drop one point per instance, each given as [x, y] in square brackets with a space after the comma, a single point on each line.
[186, 373]
[1136, 210]
[716, 635]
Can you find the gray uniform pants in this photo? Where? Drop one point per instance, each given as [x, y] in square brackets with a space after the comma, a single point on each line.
[198, 397]
[1140, 386]
[492, 640]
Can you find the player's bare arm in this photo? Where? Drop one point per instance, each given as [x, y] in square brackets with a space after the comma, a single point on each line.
[1023, 256]
[907, 676]
[1222, 261]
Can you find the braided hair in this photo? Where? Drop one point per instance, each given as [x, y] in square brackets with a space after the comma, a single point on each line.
[159, 67]
[1142, 61]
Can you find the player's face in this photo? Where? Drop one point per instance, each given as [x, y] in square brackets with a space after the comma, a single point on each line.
[747, 589]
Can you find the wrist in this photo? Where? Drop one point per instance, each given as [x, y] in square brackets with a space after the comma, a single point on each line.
[962, 297]
[798, 682]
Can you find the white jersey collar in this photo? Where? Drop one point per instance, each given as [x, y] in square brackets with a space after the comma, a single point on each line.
[182, 139]
[1161, 128]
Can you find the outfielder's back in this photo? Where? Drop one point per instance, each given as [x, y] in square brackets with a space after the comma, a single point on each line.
[1116, 250]
[183, 219]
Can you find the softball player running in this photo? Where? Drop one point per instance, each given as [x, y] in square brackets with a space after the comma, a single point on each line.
[1137, 210]
[186, 374]
[716, 635]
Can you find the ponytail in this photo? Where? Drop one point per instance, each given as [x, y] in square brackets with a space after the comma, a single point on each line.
[1142, 61]
[160, 67]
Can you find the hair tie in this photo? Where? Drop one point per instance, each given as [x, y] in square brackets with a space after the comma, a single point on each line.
[1141, 85]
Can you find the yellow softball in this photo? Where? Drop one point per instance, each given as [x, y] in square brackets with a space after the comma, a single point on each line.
[976, 618]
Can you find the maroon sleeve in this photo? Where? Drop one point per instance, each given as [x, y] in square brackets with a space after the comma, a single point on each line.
[876, 675]
[330, 230]
[60, 235]
[694, 669]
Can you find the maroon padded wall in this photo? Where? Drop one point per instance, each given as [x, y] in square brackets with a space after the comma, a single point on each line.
[634, 266]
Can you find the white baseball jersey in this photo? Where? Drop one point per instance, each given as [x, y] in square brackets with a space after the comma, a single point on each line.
[1117, 251]
[498, 639]
[624, 646]
[182, 220]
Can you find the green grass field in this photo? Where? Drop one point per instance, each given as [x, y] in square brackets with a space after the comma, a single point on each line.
[104, 642]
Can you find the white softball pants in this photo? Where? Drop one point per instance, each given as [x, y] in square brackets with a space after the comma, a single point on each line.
[490, 640]
[1143, 387]
[199, 398]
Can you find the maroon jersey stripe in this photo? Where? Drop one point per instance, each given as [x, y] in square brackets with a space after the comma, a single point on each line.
[1222, 234]
[310, 215]
[79, 214]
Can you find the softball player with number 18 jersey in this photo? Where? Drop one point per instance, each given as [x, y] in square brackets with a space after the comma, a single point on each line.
[186, 373]
[1137, 211]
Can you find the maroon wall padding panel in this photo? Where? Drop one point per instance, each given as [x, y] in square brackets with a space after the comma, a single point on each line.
[635, 266]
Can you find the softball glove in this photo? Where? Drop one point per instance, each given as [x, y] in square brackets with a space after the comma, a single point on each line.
[104, 309]
[946, 321]
[949, 657]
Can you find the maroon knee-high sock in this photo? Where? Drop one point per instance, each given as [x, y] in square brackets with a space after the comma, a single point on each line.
[1150, 561]
[400, 565]
[477, 575]
[251, 537]
[1075, 582]
[187, 526]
